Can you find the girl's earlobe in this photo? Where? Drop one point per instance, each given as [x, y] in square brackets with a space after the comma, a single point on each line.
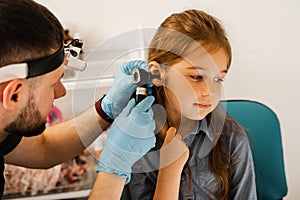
[155, 69]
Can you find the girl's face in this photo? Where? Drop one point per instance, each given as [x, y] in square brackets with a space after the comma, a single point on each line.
[193, 86]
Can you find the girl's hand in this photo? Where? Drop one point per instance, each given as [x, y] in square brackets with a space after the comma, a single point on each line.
[174, 152]
[173, 156]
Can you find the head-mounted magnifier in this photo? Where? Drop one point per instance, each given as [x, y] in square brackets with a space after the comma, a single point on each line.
[43, 65]
[72, 51]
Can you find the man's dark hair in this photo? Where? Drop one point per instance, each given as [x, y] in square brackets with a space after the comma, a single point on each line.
[28, 31]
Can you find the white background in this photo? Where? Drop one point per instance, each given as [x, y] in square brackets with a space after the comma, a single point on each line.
[266, 49]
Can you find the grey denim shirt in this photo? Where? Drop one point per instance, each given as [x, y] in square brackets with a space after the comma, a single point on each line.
[242, 183]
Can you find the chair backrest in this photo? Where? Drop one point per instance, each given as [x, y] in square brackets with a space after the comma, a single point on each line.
[263, 129]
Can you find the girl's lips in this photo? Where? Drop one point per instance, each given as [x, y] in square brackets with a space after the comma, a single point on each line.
[203, 106]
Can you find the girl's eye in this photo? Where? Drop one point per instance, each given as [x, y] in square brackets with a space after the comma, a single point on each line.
[197, 77]
[219, 80]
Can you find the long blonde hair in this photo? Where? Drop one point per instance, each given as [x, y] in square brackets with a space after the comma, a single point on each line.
[169, 46]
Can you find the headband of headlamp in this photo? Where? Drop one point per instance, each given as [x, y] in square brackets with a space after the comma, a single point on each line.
[32, 68]
[68, 53]
[47, 64]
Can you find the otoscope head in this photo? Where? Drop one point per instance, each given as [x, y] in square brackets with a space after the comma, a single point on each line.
[143, 77]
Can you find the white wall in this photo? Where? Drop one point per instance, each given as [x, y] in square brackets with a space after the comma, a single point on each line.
[266, 46]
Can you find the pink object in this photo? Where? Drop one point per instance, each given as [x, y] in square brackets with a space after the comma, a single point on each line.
[54, 116]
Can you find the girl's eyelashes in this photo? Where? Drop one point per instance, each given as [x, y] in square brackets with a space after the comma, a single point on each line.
[219, 80]
[196, 77]
[200, 78]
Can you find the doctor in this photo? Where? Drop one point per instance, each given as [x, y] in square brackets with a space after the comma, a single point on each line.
[31, 67]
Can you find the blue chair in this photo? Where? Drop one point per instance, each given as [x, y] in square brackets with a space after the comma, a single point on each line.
[263, 129]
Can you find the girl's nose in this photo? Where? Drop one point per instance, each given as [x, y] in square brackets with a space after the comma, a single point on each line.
[206, 90]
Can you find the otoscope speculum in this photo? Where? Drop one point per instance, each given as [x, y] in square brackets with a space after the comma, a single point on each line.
[142, 77]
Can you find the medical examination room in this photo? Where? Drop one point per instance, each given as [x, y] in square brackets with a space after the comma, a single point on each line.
[160, 99]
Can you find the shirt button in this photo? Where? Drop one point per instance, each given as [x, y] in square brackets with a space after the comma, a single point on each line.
[186, 140]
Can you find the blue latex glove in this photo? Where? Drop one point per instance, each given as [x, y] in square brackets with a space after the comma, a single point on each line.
[122, 89]
[130, 137]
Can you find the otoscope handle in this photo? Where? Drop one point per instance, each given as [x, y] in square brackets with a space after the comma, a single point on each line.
[141, 93]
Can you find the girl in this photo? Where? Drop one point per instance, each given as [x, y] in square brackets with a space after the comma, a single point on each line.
[192, 54]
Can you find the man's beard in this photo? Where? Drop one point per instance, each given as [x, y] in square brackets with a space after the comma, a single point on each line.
[29, 122]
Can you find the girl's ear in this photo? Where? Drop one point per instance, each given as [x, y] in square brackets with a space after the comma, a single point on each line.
[155, 69]
[12, 94]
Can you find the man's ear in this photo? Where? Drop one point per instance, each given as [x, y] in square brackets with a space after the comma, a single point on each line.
[12, 94]
[155, 68]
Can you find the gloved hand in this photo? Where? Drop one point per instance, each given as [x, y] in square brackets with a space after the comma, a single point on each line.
[130, 137]
[120, 92]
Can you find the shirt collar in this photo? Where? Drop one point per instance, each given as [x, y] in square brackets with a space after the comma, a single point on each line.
[206, 143]
[202, 126]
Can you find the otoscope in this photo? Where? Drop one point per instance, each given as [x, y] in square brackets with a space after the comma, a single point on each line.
[142, 78]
